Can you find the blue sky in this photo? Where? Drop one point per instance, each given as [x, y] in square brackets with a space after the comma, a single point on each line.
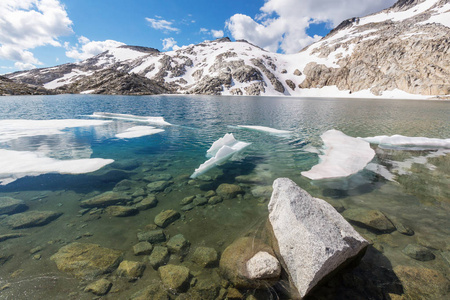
[43, 33]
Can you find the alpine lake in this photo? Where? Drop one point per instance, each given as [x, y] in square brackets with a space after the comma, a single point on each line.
[413, 192]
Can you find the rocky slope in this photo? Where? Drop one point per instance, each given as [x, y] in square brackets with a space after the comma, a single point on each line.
[9, 87]
[399, 48]
[398, 52]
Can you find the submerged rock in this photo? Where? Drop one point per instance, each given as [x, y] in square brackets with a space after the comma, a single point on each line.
[158, 177]
[142, 248]
[138, 192]
[371, 219]
[403, 229]
[125, 164]
[4, 258]
[422, 283]
[9, 206]
[229, 191]
[178, 244]
[7, 236]
[311, 237]
[418, 252]
[160, 255]
[214, 200]
[105, 199]
[188, 207]
[207, 286]
[121, 211]
[205, 257]
[31, 219]
[153, 291]
[262, 191]
[187, 200]
[157, 186]
[125, 185]
[254, 179]
[200, 201]
[147, 203]
[86, 261]
[131, 269]
[210, 194]
[175, 278]
[152, 236]
[166, 217]
[233, 263]
[234, 294]
[100, 287]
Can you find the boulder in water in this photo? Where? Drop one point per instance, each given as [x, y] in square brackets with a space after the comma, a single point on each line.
[311, 238]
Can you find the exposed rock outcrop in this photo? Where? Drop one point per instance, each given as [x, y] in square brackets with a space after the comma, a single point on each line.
[9, 87]
[311, 238]
[113, 82]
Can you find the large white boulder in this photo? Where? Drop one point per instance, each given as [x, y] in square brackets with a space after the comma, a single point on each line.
[312, 238]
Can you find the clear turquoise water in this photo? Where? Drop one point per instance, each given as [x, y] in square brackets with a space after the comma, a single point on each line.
[419, 199]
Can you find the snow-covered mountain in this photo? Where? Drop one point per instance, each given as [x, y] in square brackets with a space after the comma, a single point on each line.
[403, 51]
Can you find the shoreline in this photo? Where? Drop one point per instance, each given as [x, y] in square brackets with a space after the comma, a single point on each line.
[336, 97]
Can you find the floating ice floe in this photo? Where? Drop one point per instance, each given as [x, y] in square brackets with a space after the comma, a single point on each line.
[138, 131]
[406, 141]
[220, 151]
[342, 156]
[18, 164]
[14, 129]
[266, 129]
[128, 117]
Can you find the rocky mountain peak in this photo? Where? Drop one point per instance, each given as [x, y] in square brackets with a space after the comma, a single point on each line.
[140, 49]
[404, 5]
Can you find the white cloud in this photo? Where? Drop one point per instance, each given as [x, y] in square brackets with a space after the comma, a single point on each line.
[170, 43]
[27, 24]
[161, 24]
[217, 33]
[88, 48]
[10, 52]
[23, 66]
[282, 24]
[214, 33]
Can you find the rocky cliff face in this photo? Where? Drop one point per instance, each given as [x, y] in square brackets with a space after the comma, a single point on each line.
[400, 48]
[404, 49]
